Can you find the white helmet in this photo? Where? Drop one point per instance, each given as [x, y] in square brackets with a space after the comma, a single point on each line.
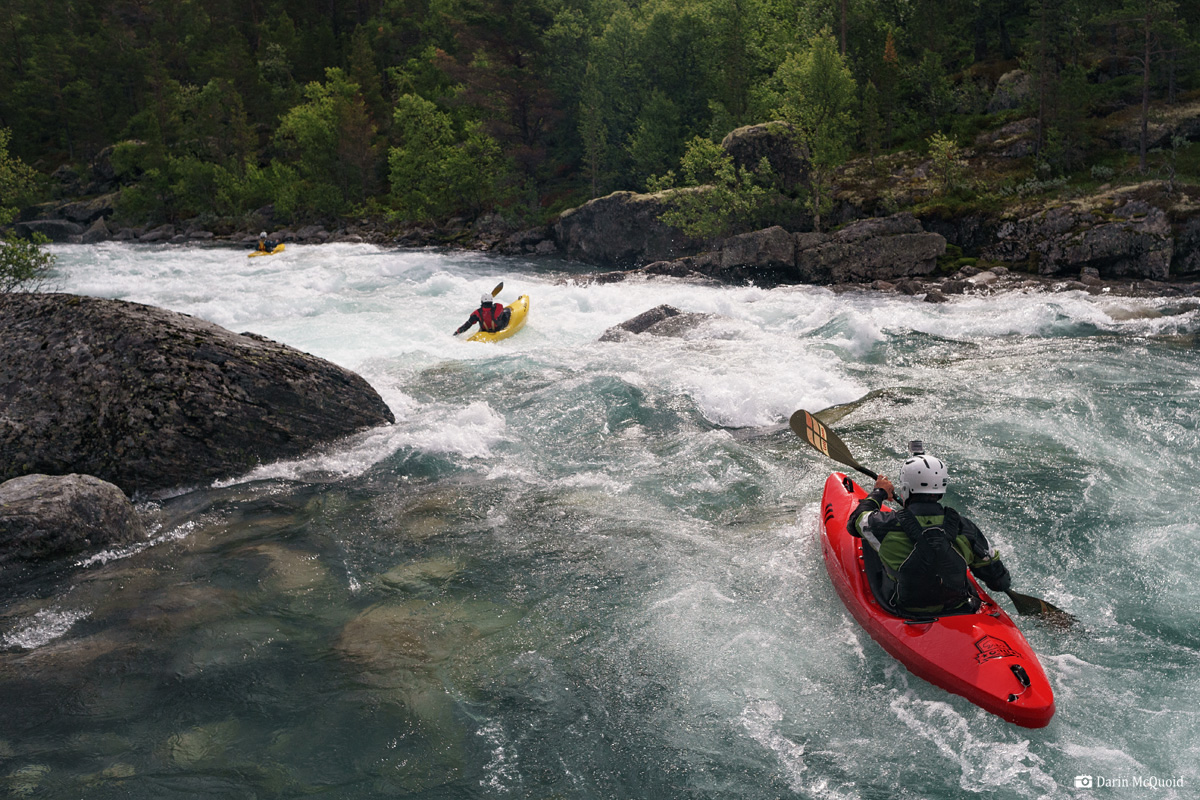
[922, 474]
[262, 235]
[485, 299]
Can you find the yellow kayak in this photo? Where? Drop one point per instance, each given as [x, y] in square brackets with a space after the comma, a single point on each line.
[278, 249]
[515, 322]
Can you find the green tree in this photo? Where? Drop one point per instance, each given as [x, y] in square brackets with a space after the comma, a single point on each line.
[501, 64]
[818, 96]
[930, 91]
[23, 263]
[948, 168]
[592, 130]
[435, 172]
[714, 196]
[654, 141]
[331, 141]
[1150, 30]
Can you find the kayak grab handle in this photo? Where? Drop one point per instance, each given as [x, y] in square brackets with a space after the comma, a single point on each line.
[1023, 677]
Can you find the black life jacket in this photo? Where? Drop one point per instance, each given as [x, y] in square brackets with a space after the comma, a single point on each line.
[935, 573]
[489, 316]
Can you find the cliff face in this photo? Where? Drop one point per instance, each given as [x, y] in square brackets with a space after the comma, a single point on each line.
[150, 399]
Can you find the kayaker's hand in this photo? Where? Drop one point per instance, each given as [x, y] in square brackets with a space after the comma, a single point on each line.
[883, 483]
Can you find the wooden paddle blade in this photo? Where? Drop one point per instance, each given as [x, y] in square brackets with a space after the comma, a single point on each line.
[824, 441]
[499, 286]
[1036, 606]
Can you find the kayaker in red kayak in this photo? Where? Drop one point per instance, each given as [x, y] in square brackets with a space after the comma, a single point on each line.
[921, 553]
[491, 316]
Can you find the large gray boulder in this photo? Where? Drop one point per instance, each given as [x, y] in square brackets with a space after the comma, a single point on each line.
[56, 230]
[150, 399]
[769, 249]
[85, 212]
[664, 320]
[778, 143]
[1013, 89]
[1186, 258]
[622, 229]
[886, 248]
[45, 516]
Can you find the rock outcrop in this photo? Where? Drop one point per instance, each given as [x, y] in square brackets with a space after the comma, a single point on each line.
[871, 249]
[622, 229]
[45, 516]
[778, 143]
[886, 248]
[1117, 236]
[150, 399]
[1012, 90]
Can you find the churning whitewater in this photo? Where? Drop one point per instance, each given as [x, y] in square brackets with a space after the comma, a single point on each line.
[589, 569]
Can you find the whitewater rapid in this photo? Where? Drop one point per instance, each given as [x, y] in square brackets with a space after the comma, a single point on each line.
[589, 569]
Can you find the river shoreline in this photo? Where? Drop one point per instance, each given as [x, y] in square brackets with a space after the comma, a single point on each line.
[967, 280]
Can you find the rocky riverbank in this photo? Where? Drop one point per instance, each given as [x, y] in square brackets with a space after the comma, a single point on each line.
[1124, 234]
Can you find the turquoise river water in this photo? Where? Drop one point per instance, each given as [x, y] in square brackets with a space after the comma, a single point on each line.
[584, 569]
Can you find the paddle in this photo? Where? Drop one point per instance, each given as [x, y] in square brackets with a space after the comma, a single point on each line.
[825, 441]
[813, 431]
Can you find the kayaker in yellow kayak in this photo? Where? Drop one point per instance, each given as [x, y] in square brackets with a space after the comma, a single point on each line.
[925, 549]
[490, 315]
[266, 245]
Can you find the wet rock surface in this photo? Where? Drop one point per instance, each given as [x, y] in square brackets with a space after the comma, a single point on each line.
[150, 399]
[45, 516]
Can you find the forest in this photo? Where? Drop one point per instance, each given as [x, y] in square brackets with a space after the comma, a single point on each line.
[431, 110]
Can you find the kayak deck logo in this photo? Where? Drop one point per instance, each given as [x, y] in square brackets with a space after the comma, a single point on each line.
[990, 647]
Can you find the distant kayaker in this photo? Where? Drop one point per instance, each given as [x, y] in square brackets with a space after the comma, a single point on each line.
[490, 315]
[925, 549]
[266, 245]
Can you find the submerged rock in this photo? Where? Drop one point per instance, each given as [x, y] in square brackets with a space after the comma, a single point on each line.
[664, 320]
[43, 516]
[150, 399]
[640, 323]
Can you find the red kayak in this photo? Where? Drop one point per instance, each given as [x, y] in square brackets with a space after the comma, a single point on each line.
[980, 655]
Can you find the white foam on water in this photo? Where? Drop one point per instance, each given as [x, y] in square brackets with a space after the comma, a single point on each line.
[43, 627]
[985, 764]
[761, 720]
[501, 771]
[155, 538]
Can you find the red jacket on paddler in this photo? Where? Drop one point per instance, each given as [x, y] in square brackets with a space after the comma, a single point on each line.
[490, 315]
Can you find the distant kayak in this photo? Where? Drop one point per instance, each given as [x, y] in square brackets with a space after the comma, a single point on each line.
[278, 249]
[980, 655]
[516, 321]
